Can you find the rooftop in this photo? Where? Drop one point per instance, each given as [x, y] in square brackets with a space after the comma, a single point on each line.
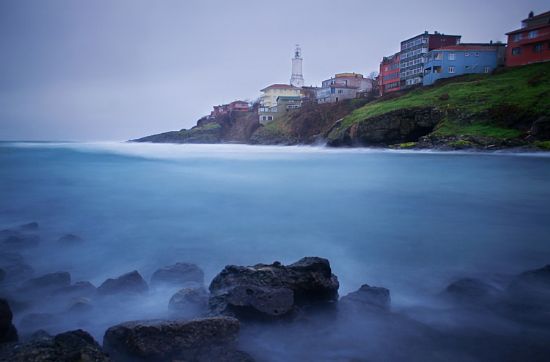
[541, 15]
[534, 27]
[464, 47]
[279, 86]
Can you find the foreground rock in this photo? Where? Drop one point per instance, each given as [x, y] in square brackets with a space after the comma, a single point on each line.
[178, 274]
[129, 283]
[367, 298]
[8, 333]
[272, 290]
[207, 339]
[70, 346]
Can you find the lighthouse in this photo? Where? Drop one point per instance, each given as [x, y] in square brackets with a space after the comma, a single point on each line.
[297, 79]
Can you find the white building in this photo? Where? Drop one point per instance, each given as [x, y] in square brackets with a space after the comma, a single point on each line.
[297, 79]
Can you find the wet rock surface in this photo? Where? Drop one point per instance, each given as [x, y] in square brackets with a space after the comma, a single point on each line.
[191, 301]
[272, 290]
[206, 339]
[8, 333]
[367, 298]
[178, 274]
[129, 283]
[70, 346]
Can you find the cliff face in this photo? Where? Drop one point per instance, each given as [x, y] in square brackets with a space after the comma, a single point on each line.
[234, 127]
[403, 125]
[510, 108]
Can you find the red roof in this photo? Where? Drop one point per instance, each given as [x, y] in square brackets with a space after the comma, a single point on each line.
[529, 28]
[467, 47]
[538, 16]
[279, 86]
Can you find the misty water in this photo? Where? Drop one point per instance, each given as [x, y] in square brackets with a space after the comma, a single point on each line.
[409, 221]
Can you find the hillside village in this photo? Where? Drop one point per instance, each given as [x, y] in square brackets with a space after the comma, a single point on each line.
[294, 113]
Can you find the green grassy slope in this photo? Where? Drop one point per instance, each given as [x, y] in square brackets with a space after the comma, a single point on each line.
[478, 105]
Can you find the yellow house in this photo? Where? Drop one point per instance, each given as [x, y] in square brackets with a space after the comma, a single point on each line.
[271, 93]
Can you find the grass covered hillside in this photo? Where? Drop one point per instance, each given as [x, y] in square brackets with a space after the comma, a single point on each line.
[474, 108]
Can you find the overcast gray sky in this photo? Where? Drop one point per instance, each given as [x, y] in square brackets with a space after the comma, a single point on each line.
[120, 69]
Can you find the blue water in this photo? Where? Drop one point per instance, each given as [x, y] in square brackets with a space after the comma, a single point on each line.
[408, 221]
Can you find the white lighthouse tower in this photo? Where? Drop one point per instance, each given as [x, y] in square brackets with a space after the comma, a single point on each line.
[297, 79]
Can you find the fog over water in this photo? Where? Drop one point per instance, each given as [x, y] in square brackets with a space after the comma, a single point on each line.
[408, 221]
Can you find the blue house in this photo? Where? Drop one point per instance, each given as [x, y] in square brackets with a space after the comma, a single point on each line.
[462, 59]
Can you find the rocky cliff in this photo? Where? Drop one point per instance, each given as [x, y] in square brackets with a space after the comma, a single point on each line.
[508, 109]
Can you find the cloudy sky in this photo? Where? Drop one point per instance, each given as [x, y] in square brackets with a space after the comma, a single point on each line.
[120, 69]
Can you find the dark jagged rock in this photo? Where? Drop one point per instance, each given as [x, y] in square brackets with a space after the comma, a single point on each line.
[367, 298]
[131, 282]
[8, 333]
[403, 125]
[189, 301]
[178, 274]
[70, 239]
[206, 339]
[50, 282]
[272, 290]
[70, 346]
[470, 290]
[78, 289]
[540, 129]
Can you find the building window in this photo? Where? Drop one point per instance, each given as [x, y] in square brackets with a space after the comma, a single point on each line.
[517, 37]
[451, 69]
[452, 56]
[537, 48]
[532, 34]
[477, 54]
[438, 56]
[486, 70]
[466, 54]
[516, 51]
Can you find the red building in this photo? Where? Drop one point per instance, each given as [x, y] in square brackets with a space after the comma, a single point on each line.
[236, 106]
[388, 78]
[531, 43]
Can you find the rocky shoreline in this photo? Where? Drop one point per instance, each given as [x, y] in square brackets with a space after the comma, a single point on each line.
[239, 311]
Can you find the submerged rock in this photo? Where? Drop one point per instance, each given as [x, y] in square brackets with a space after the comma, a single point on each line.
[8, 333]
[31, 226]
[70, 239]
[531, 288]
[70, 346]
[189, 301]
[367, 298]
[132, 283]
[470, 290]
[48, 282]
[14, 267]
[21, 241]
[272, 290]
[178, 274]
[78, 289]
[206, 339]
